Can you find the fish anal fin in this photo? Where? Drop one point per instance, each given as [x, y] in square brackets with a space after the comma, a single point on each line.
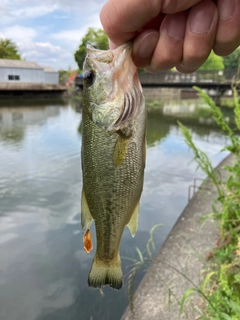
[133, 223]
[87, 241]
[86, 217]
[120, 150]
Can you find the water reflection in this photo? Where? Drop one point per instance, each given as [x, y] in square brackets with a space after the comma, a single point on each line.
[156, 132]
[14, 121]
[43, 269]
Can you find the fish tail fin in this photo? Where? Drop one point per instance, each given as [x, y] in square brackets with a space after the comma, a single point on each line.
[102, 274]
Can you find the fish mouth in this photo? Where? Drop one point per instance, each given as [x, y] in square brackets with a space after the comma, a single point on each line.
[124, 88]
[108, 56]
[117, 59]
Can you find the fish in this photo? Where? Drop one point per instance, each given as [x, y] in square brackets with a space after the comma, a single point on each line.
[113, 157]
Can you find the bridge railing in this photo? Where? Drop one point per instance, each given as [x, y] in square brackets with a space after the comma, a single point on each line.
[203, 76]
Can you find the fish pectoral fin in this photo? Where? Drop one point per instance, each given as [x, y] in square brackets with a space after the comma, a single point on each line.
[87, 241]
[133, 223]
[120, 150]
[86, 217]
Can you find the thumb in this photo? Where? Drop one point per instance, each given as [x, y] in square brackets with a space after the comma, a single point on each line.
[122, 19]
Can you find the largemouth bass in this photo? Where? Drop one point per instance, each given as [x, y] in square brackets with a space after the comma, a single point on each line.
[113, 156]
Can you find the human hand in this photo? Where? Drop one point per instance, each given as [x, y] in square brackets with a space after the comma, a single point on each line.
[173, 33]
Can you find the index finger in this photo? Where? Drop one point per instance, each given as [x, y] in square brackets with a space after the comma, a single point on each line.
[122, 19]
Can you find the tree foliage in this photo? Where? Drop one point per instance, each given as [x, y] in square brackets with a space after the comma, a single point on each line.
[9, 50]
[213, 62]
[232, 61]
[96, 38]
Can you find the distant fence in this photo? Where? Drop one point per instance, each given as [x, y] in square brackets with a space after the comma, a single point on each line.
[204, 76]
[175, 78]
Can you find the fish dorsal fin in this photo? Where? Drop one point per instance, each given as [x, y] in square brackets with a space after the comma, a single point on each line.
[133, 223]
[120, 149]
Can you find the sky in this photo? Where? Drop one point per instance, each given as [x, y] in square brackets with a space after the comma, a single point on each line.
[48, 32]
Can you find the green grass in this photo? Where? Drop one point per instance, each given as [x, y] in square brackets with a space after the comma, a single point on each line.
[220, 290]
[227, 103]
[156, 104]
[202, 112]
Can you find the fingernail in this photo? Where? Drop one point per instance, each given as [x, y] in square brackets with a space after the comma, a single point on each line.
[147, 44]
[176, 26]
[201, 17]
[226, 10]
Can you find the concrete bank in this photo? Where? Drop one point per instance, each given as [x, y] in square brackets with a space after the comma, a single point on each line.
[185, 249]
[26, 90]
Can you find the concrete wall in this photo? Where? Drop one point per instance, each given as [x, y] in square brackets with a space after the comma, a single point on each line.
[26, 75]
[51, 77]
[161, 93]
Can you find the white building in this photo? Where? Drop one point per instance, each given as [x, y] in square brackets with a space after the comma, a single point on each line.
[50, 75]
[26, 72]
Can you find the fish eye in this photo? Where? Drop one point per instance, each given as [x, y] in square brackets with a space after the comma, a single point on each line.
[89, 77]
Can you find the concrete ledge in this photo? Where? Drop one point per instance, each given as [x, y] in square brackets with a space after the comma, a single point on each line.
[185, 249]
[24, 86]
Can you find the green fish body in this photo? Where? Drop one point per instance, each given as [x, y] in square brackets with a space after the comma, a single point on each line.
[113, 157]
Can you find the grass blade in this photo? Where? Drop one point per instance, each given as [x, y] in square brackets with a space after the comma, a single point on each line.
[184, 298]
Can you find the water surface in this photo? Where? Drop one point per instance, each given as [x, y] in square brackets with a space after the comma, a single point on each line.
[43, 267]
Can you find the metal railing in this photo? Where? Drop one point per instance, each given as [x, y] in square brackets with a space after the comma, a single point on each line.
[203, 76]
[206, 76]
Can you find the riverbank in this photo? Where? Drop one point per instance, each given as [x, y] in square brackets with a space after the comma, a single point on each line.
[162, 288]
[157, 98]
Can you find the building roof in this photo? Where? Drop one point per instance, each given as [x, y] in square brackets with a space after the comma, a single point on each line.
[8, 63]
[48, 69]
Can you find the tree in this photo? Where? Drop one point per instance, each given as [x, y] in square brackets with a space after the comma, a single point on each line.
[96, 38]
[63, 76]
[9, 50]
[213, 62]
[232, 61]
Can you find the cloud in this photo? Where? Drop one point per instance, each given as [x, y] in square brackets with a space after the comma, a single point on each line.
[16, 9]
[33, 12]
[68, 35]
[18, 33]
[49, 33]
[45, 53]
[30, 49]
[75, 35]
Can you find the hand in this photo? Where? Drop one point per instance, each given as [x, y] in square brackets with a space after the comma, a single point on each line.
[173, 33]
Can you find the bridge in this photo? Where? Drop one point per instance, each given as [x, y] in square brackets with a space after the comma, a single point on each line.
[219, 80]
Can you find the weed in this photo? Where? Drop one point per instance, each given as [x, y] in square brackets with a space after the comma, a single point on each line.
[156, 104]
[221, 287]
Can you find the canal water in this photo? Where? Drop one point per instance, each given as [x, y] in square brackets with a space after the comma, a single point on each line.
[43, 267]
